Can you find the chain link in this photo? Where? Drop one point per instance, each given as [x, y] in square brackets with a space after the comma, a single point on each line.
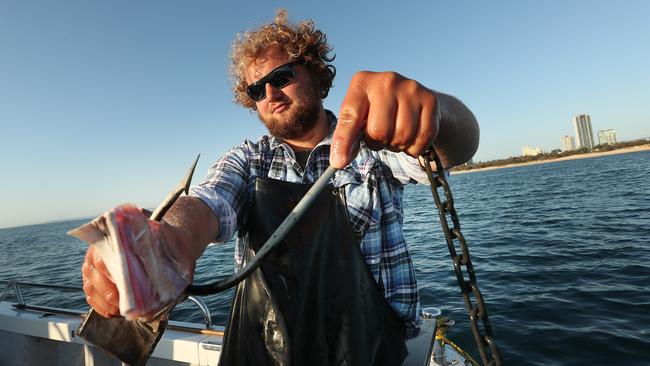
[477, 310]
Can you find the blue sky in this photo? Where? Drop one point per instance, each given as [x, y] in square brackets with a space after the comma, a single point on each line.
[104, 102]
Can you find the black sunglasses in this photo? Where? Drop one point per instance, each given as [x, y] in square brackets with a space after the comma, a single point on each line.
[278, 78]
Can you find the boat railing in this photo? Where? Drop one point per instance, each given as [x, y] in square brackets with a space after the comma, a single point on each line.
[18, 286]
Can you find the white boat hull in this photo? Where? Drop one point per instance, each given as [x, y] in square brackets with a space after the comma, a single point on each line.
[29, 337]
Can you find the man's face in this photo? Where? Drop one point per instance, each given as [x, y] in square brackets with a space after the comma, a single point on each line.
[288, 113]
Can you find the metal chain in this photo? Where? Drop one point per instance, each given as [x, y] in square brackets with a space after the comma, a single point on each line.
[485, 343]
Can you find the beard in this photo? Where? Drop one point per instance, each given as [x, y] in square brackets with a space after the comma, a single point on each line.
[297, 120]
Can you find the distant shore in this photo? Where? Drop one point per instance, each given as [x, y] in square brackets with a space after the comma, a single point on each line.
[624, 150]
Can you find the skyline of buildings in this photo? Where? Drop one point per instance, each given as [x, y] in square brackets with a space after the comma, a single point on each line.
[584, 137]
[584, 131]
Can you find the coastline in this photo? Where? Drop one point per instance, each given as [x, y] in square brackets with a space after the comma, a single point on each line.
[625, 150]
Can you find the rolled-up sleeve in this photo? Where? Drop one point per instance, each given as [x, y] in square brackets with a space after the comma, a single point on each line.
[224, 191]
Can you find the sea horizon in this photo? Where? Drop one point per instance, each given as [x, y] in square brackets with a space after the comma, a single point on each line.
[591, 155]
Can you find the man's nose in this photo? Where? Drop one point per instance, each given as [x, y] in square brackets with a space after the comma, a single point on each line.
[272, 93]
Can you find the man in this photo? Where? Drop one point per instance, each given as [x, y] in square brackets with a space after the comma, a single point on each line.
[282, 71]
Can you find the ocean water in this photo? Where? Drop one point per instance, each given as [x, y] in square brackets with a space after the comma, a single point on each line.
[561, 251]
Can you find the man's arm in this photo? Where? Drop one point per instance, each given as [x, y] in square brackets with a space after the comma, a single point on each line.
[401, 115]
[191, 226]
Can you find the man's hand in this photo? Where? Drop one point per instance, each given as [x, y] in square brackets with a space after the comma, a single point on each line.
[151, 270]
[395, 113]
[101, 292]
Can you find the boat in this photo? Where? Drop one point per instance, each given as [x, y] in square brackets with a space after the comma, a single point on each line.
[31, 334]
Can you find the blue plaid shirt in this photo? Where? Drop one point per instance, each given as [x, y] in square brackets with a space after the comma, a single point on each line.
[373, 184]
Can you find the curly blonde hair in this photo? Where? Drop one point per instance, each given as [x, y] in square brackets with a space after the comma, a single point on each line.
[301, 42]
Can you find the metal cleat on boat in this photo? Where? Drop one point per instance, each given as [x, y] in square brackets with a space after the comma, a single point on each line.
[445, 352]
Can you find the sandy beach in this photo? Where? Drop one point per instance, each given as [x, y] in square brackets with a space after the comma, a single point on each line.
[572, 157]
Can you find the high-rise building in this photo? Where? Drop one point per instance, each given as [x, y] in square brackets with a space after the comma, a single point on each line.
[569, 143]
[607, 137]
[584, 133]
